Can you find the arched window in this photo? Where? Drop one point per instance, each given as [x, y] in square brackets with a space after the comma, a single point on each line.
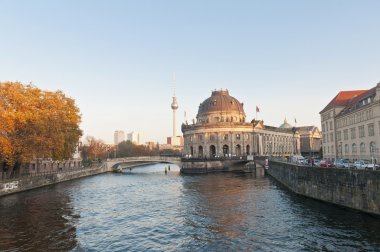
[362, 148]
[238, 150]
[212, 151]
[372, 147]
[346, 149]
[353, 148]
[246, 137]
[225, 150]
[200, 151]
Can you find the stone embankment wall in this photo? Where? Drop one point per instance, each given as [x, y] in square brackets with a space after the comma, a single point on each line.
[357, 189]
[200, 166]
[31, 182]
[197, 167]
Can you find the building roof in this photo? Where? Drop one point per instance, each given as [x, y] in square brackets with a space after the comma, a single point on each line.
[343, 98]
[355, 102]
[286, 125]
[260, 125]
[220, 101]
[307, 129]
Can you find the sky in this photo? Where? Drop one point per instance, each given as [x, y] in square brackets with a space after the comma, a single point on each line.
[117, 58]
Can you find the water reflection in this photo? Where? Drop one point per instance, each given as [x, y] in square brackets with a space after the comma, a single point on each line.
[150, 210]
[37, 220]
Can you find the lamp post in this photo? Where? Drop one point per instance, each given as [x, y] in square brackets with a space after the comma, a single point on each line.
[372, 149]
[294, 147]
[232, 144]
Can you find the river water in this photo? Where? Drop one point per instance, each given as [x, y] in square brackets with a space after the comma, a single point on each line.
[147, 210]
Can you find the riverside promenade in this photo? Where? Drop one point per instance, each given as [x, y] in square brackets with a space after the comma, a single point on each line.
[31, 181]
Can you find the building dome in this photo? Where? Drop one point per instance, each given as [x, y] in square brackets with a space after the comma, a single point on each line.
[286, 125]
[221, 107]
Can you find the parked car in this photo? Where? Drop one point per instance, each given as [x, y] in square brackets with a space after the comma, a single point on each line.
[298, 159]
[361, 164]
[316, 162]
[339, 163]
[371, 166]
[326, 164]
[347, 163]
[343, 163]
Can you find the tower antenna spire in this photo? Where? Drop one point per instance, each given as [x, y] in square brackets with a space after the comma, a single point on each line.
[174, 83]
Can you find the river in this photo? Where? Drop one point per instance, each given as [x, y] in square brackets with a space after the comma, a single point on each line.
[148, 210]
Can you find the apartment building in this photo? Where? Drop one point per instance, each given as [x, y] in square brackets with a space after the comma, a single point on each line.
[351, 125]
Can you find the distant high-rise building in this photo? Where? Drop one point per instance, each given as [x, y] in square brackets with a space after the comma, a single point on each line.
[118, 136]
[134, 137]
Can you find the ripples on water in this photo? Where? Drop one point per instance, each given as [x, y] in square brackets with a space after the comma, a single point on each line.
[147, 210]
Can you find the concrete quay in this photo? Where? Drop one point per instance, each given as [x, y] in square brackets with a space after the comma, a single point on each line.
[203, 166]
[356, 189]
[39, 180]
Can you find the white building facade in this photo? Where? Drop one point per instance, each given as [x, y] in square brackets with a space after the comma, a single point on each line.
[134, 137]
[351, 125]
[221, 130]
[118, 137]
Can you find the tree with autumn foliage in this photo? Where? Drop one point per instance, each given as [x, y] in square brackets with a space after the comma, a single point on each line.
[36, 124]
[95, 149]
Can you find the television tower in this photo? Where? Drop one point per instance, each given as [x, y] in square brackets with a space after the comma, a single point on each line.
[174, 108]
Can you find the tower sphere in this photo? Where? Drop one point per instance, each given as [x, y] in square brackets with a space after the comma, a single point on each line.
[174, 103]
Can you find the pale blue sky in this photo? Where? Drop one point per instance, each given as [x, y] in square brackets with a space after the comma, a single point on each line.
[117, 58]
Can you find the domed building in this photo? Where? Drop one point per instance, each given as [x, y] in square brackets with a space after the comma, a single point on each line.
[286, 125]
[221, 130]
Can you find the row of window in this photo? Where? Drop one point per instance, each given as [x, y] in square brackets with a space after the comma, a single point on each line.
[279, 148]
[325, 126]
[370, 130]
[213, 137]
[355, 118]
[221, 119]
[354, 149]
[327, 116]
[361, 129]
[226, 137]
[275, 138]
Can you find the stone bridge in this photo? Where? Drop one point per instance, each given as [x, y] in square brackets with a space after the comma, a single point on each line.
[131, 162]
[189, 166]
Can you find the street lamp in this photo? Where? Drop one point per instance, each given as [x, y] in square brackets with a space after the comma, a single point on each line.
[294, 147]
[372, 149]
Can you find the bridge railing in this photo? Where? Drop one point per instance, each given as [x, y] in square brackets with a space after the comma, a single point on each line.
[144, 158]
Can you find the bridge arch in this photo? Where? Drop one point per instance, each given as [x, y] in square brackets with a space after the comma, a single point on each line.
[112, 164]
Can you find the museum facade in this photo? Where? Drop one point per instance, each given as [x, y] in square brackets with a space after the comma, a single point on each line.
[221, 130]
